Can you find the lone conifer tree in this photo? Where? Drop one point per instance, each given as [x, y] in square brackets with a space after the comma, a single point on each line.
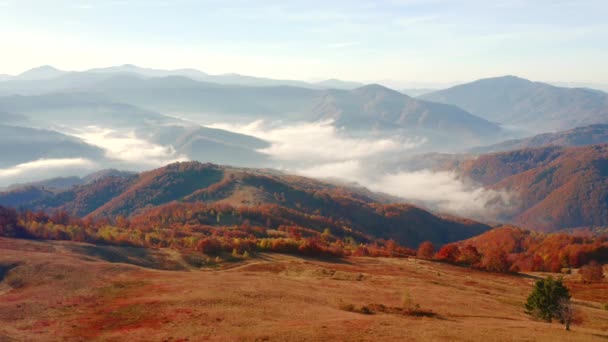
[547, 299]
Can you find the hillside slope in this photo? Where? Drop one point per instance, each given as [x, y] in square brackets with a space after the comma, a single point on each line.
[556, 187]
[274, 199]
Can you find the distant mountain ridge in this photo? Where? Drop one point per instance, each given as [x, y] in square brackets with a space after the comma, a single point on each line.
[48, 72]
[535, 106]
[587, 135]
[386, 108]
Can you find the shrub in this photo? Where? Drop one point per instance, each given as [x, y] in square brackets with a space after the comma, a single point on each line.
[363, 309]
[591, 273]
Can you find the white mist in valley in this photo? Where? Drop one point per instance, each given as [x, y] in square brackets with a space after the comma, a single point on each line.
[320, 150]
[126, 147]
[44, 169]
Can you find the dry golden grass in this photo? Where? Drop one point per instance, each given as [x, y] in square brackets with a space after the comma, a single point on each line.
[64, 295]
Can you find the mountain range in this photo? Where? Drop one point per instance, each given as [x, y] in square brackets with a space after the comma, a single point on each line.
[47, 72]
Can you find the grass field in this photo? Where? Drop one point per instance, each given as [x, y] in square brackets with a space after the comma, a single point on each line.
[58, 291]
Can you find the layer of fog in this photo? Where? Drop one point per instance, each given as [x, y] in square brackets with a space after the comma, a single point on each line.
[126, 149]
[45, 169]
[320, 150]
[317, 142]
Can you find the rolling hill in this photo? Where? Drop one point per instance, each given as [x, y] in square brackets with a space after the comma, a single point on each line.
[274, 200]
[534, 106]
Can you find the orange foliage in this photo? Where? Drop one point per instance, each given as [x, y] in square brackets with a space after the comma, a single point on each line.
[426, 250]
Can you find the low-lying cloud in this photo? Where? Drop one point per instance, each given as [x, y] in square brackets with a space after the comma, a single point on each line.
[127, 147]
[317, 141]
[441, 191]
[44, 168]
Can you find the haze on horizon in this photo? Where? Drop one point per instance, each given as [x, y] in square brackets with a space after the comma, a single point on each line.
[396, 42]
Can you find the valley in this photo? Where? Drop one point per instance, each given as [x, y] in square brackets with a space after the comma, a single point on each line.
[394, 170]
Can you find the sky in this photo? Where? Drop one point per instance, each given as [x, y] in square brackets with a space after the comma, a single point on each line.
[415, 42]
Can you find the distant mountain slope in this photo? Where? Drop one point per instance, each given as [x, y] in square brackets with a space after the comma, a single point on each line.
[556, 187]
[78, 109]
[208, 144]
[150, 196]
[24, 196]
[123, 97]
[200, 100]
[226, 79]
[534, 106]
[66, 183]
[383, 108]
[22, 145]
[587, 135]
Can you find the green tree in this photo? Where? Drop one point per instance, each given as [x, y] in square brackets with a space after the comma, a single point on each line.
[547, 298]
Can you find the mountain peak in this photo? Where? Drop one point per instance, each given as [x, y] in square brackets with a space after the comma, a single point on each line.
[507, 79]
[41, 72]
[45, 68]
[376, 88]
[130, 66]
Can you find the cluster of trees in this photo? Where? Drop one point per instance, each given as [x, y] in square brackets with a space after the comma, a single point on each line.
[175, 231]
[511, 249]
[467, 255]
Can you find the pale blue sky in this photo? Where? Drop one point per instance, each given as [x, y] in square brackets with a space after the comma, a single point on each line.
[402, 40]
